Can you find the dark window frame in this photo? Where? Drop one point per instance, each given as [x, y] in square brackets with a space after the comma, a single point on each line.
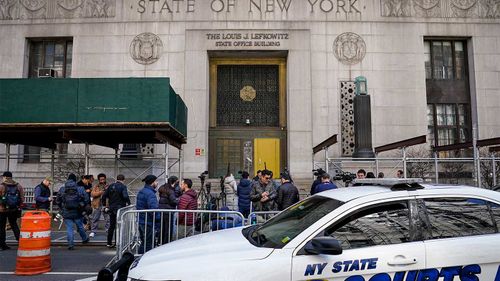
[45, 41]
[452, 41]
[467, 123]
[449, 91]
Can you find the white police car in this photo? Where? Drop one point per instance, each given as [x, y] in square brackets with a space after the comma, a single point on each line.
[410, 232]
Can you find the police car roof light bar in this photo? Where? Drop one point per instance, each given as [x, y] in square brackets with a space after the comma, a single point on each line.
[394, 183]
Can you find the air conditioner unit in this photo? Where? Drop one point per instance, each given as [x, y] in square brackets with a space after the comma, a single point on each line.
[46, 73]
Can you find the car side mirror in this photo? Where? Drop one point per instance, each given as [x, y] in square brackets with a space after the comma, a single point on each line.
[323, 245]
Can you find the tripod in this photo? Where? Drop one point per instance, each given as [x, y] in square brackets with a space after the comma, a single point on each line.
[222, 195]
[203, 195]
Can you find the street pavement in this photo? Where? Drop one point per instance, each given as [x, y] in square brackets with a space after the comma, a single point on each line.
[83, 263]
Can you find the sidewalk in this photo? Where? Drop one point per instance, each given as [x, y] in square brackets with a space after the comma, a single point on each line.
[58, 235]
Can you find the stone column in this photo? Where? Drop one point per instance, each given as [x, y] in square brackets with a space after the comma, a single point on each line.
[362, 127]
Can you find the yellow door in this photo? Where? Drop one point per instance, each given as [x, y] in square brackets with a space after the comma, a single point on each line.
[267, 155]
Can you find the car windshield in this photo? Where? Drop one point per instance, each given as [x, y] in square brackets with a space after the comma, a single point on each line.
[285, 226]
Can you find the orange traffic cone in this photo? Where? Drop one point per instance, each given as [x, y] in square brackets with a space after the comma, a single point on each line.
[33, 254]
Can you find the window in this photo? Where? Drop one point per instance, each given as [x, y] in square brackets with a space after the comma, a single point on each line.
[449, 122]
[495, 210]
[447, 89]
[444, 59]
[53, 53]
[130, 151]
[457, 217]
[383, 224]
[285, 226]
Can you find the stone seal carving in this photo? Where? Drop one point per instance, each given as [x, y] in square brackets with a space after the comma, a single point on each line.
[349, 48]
[146, 48]
[248, 93]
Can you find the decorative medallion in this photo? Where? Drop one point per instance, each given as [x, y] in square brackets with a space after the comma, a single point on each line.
[349, 48]
[146, 48]
[248, 93]
[463, 8]
[33, 5]
[427, 8]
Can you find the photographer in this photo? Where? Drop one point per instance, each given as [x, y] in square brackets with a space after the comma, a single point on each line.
[318, 173]
[325, 184]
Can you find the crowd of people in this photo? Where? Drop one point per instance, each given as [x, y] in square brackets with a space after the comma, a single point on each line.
[82, 204]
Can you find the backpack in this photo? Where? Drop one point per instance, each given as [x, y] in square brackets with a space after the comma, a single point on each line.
[12, 197]
[71, 198]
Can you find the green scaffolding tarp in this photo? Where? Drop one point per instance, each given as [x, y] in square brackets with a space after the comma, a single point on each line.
[103, 111]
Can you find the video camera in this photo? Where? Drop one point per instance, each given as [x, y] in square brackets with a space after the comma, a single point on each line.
[318, 172]
[346, 177]
[203, 175]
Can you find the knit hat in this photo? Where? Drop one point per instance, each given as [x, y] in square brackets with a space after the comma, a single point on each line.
[72, 177]
[285, 176]
[149, 179]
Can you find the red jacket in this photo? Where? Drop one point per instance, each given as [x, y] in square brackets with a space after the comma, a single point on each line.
[187, 201]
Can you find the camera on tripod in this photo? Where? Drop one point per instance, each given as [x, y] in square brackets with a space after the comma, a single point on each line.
[346, 177]
[203, 175]
[318, 172]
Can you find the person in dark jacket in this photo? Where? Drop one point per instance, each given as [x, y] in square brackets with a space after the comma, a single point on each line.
[288, 194]
[243, 192]
[325, 184]
[9, 213]
[117, 197]
[263, 193]
[86, 184]
[187, 201]
[42, 194]
[71, 198]
[148, 224]
[169, 201]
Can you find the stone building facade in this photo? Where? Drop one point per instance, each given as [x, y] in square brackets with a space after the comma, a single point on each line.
[279, 70]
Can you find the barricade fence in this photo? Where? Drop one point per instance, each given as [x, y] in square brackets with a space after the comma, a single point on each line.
[431, 169]
[138, 231]
[30, 169]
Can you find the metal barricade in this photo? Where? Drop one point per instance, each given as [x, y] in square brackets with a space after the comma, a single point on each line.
[260, 217]
[123, 231]
[142, 230]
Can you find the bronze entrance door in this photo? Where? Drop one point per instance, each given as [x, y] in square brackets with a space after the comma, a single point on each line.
[247, 115]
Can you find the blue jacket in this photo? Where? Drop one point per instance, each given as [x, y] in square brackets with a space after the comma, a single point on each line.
[243, 192]
[42, 195]
[325, 186]
[146, 200]
[84, 199]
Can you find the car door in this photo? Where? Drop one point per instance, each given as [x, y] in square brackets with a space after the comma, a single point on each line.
[463, 238]
[379, 242]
